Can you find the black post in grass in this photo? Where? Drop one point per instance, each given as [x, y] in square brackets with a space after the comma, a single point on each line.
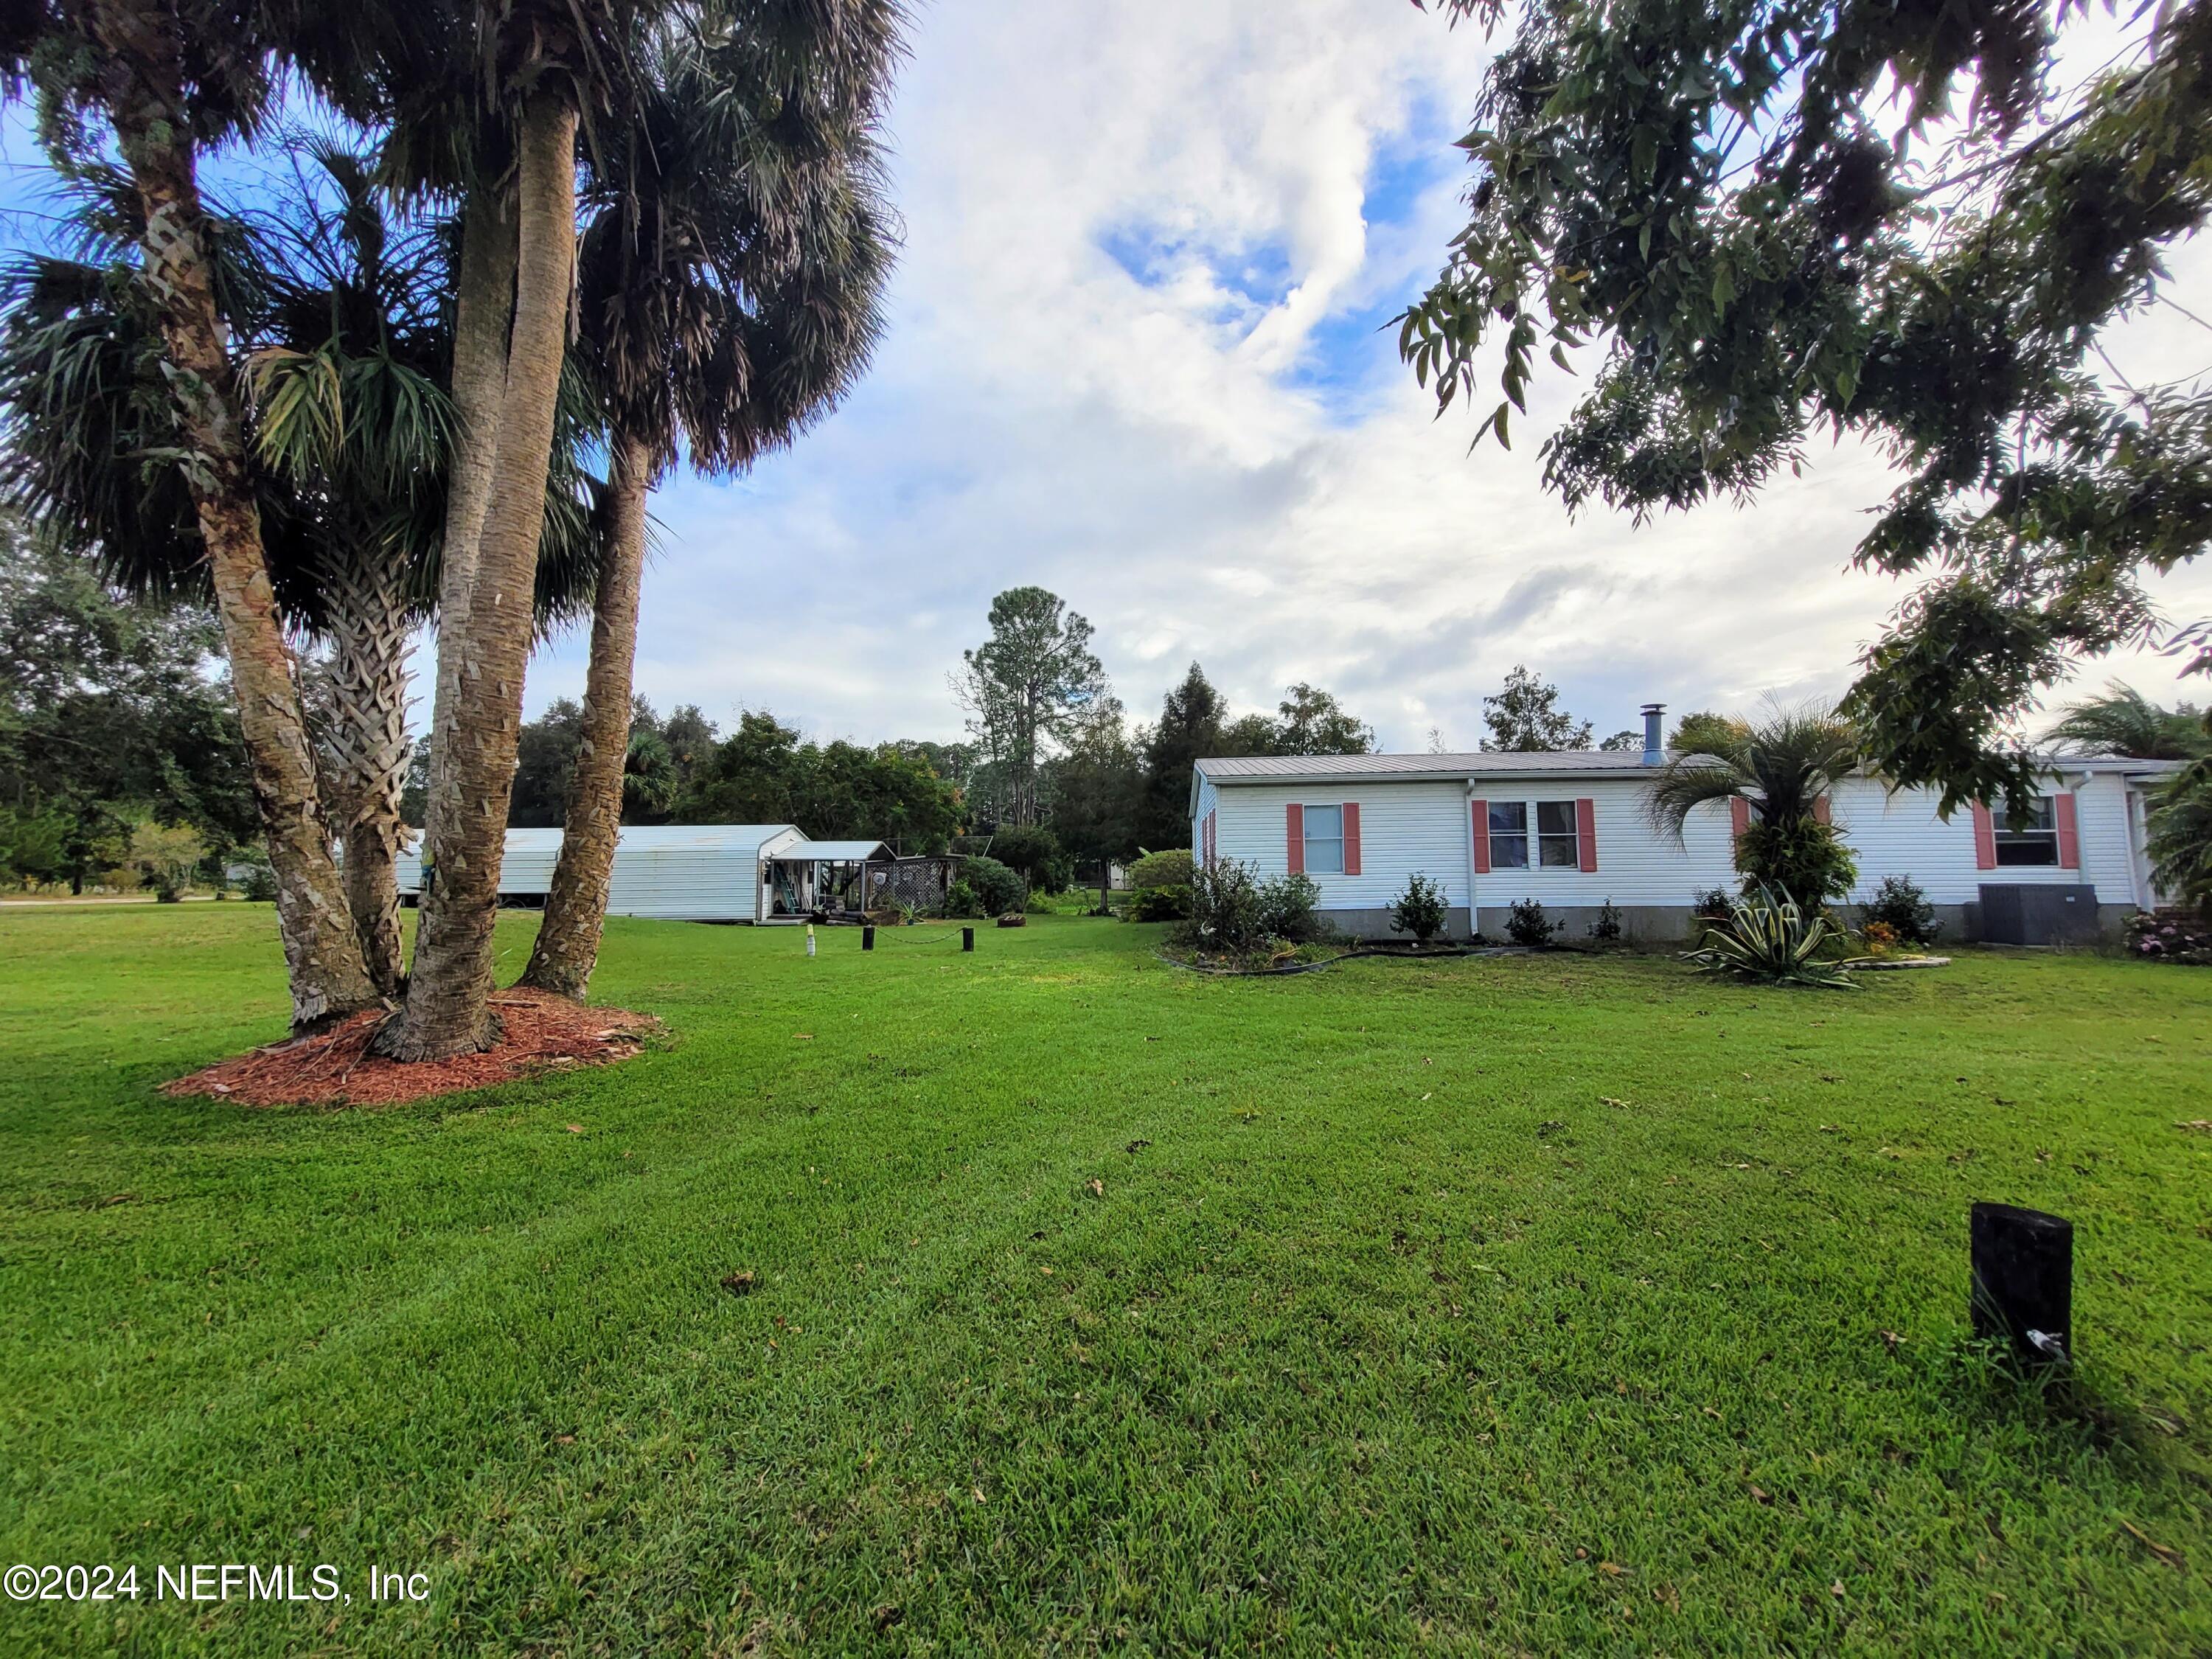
[967, 939]
[2023, 1281]
[867, 936]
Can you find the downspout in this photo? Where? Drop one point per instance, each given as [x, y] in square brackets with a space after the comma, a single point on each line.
[1467, 829]
[2138, 890]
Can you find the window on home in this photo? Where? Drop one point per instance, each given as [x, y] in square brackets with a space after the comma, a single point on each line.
[1324, 841]
[1555, 835]
[1509, 835]
[2032, 839]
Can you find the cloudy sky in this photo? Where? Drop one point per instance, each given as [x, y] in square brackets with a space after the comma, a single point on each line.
[1133, 357]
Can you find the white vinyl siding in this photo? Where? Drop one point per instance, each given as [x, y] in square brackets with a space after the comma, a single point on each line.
[1405, 829]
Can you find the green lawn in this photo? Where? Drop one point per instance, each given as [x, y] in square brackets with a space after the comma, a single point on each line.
[1500, 1305]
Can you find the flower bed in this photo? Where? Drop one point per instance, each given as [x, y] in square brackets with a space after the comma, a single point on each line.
[2171, 936]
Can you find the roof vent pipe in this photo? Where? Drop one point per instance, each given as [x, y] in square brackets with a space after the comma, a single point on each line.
[1654, 722]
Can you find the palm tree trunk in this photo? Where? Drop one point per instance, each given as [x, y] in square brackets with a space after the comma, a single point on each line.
[484, 299]
[448, 994]
[365, 738]
[568, 946]
[141, 86]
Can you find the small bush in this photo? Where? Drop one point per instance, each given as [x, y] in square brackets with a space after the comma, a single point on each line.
[1157, 904]
[1527, 924]
[260, 884]
[1901, 906]
[1811, 862]
[1291, 910]
[1767, 936]
[1607, 929]
[1228, 911]
[960, 900]
[1419, 910]
[1171, 866]
[1711, 904]
[997, 889]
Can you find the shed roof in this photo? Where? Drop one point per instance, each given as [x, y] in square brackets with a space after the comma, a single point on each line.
[832, 852]
[656, 837]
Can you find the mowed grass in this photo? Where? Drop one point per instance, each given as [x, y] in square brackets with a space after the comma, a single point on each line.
[1496, 1305]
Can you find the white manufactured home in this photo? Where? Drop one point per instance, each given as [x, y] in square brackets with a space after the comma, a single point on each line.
[677, 872]
[1569, 830]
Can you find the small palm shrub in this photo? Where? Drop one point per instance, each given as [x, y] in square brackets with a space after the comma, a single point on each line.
[1419, 910]
[1527, 924]
[1808, 861]
[1901, 905]
[1768, 936]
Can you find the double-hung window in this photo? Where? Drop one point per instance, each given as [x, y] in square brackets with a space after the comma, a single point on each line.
[2029, 839]
[1556, 836]
[1509, 835]
[1324, 833]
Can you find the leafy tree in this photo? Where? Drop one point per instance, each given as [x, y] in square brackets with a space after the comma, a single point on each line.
[1188, 729]
[1622, 742]
[107, 716]
[1034, 852]
[165, 855]
[2123, 721]
[1721, 198]
[1780, 766]
[764, 773]
[1314, 723]
[1525, 717]
[1028, 687]
[1098, 792]
[1701, 733]
[546, 765]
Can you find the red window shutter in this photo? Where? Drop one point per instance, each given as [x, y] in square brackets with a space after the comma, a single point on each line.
[1821, 812]
[1738, 816]
[1586, 832]
[1481, 810]
[2069, 831]
[1351, 838]
[1294, 827]
[1985, 838]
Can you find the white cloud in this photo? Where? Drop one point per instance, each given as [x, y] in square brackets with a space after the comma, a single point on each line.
[1131, 359]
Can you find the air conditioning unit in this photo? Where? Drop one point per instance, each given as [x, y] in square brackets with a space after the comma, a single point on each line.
[2038, 913]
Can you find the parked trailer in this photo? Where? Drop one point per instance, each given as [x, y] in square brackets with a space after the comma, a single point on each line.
[673, 872]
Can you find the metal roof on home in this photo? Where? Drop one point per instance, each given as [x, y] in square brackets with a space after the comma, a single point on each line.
[830, 852]
[1487, 762]
[1299, 769]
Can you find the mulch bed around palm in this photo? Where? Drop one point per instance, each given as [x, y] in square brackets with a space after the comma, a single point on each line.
[541, 1033]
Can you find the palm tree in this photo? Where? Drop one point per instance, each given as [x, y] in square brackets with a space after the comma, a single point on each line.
[730, 276]
[545, 62]
[2123, 721]
[338, 317]
[171, 75]
[1781, 767]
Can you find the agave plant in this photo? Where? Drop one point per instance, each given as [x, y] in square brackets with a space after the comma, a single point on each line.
[1765, 935]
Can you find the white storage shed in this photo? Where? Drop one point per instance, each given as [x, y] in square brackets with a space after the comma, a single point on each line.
[673, 872]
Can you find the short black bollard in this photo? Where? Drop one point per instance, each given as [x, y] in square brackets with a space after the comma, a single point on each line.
[2023, 1288]
[867, 936]
[967, 939]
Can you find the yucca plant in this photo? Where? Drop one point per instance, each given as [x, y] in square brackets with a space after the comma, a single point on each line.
[1765, 935]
